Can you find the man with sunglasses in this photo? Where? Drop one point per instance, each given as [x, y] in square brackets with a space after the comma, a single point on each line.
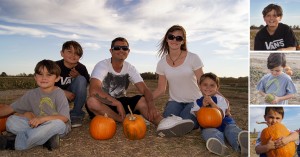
[108, 85]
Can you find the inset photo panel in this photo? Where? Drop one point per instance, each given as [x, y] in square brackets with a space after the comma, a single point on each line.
[274, 78]
[274, 131]
[274, 25]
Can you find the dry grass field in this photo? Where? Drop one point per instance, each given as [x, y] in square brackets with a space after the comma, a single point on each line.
[80, 143]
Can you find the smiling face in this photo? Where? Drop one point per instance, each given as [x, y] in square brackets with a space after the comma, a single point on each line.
[208, 87]
[70, 56]
[174, 44]
[272, 19]
[45, 80]
[120, 54]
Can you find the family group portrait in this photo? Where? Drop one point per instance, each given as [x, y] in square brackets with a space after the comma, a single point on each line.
[149, 78]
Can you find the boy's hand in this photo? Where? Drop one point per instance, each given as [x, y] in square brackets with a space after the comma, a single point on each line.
[34, 122]
[276, 100]
[280, 142]
[74, 73]
[270, 145]
[207, 101]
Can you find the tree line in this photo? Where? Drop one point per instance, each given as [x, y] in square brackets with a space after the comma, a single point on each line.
[295, 27]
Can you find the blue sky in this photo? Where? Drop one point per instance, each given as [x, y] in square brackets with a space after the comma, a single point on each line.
[32, 30]
[291, 117]
[291, 11]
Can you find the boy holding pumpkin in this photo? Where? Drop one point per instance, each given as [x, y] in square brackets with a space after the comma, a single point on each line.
[108, 85]
[40, 116]
[209, 85]
[276, 87]
[274, 115]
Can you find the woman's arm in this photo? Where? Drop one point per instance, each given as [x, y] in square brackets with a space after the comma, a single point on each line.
[161, 86]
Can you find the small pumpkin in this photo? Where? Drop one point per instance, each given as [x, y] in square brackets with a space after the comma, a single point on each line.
[276, 131]
[209, 117]
[288, 70]
[102, 127]
[3, 123]
[269, 98]
[134, 126]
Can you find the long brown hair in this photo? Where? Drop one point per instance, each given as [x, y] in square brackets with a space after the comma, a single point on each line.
[164, 47]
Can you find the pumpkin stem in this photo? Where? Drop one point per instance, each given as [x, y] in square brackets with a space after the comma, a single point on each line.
[105, 115]
[261, 122]
[131, 117]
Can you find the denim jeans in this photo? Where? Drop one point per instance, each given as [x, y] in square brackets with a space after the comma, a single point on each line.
[79, 88]
[231, 133]
[27, 137]
[182, 110]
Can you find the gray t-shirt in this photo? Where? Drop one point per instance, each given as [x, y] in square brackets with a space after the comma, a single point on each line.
[280, 86]
[44, 104]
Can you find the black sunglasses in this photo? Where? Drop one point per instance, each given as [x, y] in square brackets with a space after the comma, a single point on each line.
[117, 48]
[172, 37]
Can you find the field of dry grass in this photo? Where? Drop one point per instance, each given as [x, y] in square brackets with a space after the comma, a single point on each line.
[80, 143]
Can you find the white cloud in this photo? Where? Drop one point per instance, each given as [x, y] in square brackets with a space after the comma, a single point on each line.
[204, 20]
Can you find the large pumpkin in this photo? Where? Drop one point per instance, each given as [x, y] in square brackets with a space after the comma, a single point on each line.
[209, 117]
[276, 131]
[3, 123]
[134, 126]
[102, 127]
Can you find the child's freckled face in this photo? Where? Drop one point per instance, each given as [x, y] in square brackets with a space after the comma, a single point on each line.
[208, 87]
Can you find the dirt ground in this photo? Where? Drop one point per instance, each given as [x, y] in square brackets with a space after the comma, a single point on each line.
[258, 64]
[79, 142]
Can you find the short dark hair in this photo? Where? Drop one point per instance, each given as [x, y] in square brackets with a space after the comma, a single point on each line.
[118, 39]
[275, 60]
[75, 44]
[270, 7]
[279, 110]
[50, 65]
[212, 76]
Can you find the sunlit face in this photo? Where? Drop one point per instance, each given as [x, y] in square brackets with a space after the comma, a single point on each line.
[119, 54]
[208, 87]
[45, 80]
[273, 117]
[276, 71]
[271, 19]
[174, 44]
[70, 56]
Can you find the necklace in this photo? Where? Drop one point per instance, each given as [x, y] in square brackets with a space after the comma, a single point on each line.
[176, 58]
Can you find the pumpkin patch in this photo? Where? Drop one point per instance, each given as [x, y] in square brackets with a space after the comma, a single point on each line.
[134, 126]
[209, 117]
[102, 127]
[276, 131]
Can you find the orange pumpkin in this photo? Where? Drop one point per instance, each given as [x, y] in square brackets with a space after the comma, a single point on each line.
[134, 126]
[288, 70]
[102, 127]
[209, 117]
[3, 123]
[276, 131]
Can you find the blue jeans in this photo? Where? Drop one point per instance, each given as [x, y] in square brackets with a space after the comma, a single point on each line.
[231, 133]
[78, 87]
[182, 110]
[27, 137]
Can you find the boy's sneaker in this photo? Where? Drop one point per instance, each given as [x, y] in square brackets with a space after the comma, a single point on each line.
[216, 147]
[174, 126]
[76, 122]
[52, 143]
[7, 142]
[243, 141]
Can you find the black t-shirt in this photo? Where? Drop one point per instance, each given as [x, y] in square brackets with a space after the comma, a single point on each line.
[65, 79]
[282, 38]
